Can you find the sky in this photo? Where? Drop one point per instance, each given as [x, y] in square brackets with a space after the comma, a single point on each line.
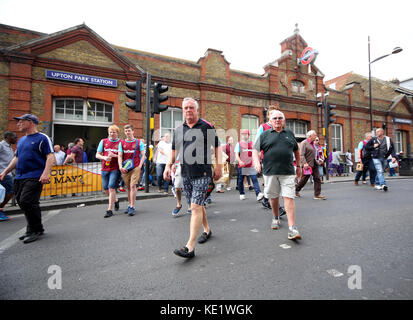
[248, 33]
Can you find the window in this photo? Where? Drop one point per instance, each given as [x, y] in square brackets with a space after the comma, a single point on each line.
[297, 86]
[398, 143]
[336, 137]
[170, 119]
[298, 127]
[251, 123]
[69, 110]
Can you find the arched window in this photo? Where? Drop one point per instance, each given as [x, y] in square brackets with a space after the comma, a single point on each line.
[297, 86]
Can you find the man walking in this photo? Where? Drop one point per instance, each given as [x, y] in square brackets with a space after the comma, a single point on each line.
[309, 163]
[278, 145]
[33, 161]
[193, 141]
[366, 160]
[6, 156]
[381, 147]
[107, 152]
[134, 150]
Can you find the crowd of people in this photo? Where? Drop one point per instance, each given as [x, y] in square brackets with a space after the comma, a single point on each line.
[193, 161]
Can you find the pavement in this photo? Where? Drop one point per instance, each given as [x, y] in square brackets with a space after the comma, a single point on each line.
[89, 200]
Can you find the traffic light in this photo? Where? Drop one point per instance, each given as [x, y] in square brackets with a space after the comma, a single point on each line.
[328, 114]
[136, 95]
[158, 99]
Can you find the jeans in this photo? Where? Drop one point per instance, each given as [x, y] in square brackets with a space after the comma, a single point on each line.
[160, 168]
[241, 183]
[110, 179]
[379, 164]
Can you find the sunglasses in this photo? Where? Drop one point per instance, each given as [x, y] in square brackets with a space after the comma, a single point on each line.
[277, 118]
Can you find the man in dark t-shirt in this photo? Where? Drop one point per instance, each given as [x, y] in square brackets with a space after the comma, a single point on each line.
[193, 141]
[76, 153]
[278, 145]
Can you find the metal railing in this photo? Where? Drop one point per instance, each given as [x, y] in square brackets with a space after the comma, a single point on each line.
[80, 179]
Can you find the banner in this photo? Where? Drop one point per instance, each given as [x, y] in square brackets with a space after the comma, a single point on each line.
[77, 178]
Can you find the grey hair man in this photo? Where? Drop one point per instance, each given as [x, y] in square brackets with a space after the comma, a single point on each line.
[278, 145]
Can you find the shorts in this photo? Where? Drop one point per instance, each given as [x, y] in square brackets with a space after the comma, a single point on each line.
[7, 183]
[178, 177]
[195, 189]
[110, 179]
[132, 177]
[277, 185]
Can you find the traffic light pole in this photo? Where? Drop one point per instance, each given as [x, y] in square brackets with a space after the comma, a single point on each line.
[326, 124]
[148, 130]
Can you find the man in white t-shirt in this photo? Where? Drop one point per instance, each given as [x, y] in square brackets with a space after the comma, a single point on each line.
[162, 155]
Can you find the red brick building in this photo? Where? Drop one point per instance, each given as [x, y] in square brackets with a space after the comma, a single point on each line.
[73, 80]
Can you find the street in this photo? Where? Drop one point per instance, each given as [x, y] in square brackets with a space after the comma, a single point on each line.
[357, 244]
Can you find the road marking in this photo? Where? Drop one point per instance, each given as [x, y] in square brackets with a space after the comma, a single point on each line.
[335, 273]
[285, 246]
[13, 239]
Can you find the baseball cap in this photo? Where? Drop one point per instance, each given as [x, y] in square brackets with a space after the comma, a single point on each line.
[245, 131]
[28, 117]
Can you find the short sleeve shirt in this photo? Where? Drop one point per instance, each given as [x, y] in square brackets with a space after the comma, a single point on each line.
[278, 150]
[194, 147]
[6, 155]
[78, 151]
[32, 151]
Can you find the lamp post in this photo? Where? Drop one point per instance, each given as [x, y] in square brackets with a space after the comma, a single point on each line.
[394, 51]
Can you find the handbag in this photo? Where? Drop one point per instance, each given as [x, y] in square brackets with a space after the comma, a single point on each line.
[129, 164]
[359, 166]
[308, 171]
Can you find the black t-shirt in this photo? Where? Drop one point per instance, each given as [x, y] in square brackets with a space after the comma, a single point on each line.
[278, 150]
[194, 147]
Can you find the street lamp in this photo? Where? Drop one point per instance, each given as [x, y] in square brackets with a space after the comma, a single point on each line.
[394, 51]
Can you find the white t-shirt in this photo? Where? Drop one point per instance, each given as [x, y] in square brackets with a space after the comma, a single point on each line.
[166, 148]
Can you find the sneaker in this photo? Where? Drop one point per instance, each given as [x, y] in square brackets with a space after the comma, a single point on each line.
[127, 210]
[141, 188]
[260, 196]
[208, 201]
[275, 224]
[121, 189]
[176, 211]
[378, 187]
[242, 197]
[204, 237]
[108, 214]
[31, 237]
[320, 197]
[189, 211]
[266, 203]
[281, 212]
[250, 188]
[131, 211]
[184, 252]
[229, 189]
[364, 182]
[385, 188]
[293, 234]
[117, 205]
[3, 217]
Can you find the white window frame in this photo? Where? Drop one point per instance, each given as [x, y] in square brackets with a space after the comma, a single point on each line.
[171, 130]
[83, 120]
[293, 126]
[398, 141]
[253, 130]
[337, 128]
